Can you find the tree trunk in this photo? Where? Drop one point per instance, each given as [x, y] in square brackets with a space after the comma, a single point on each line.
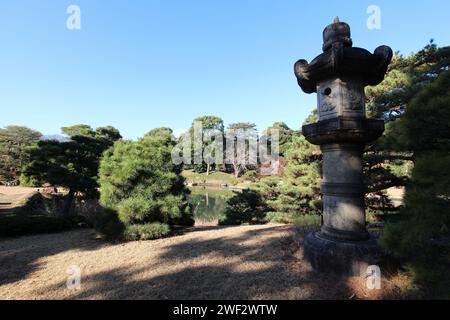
[68, 203]
[208, 166]
[236, 170]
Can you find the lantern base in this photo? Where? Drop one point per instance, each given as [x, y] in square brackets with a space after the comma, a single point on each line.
[346, 258]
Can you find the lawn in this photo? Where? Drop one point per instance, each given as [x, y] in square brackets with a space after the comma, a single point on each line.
[247, 262]
[214, 177]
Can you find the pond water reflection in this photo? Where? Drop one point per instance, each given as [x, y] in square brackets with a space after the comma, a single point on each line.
[209, 204]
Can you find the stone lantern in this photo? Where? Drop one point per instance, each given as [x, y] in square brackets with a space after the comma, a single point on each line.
[339, 76]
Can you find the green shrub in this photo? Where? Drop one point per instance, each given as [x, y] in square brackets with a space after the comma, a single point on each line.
[135, 210]
[250, 175]
[186, 219]
[279, 217]
[235, 182]
[298, 192]
[142, 185]
[244, 207]
[307, 220]
[107, 223]
[30, 182]
[146, 231]
[293, 218]
[421, 235]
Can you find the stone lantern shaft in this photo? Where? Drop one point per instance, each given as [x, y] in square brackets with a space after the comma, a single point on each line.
[339, 76]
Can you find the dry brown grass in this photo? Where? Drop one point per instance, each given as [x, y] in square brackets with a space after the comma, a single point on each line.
[11, 196]
[249, 262]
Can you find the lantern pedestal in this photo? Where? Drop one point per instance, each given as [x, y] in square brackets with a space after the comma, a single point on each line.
[339, 76]
[350, 258]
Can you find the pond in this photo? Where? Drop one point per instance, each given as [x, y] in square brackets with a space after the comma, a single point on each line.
[209, 204]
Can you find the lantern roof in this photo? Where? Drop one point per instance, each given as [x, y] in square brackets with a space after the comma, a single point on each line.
[341, 59]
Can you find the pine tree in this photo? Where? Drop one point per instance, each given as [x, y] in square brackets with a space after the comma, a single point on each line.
[299, 192]
[211, 125]
[142, 188]
[422, 235]
[286, 135]
[388, 161]
[72, 163]
[414, 153]
[14, 141]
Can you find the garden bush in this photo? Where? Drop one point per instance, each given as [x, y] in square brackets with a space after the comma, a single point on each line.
[250, 175]
[279, 217]
[107, 223]
[148, 231]
[143, 189]
[235, 182]
[30, 182]
[244, 207]
[293, 218]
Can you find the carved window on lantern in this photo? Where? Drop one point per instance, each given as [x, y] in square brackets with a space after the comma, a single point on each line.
[328, 96]
[327, 102]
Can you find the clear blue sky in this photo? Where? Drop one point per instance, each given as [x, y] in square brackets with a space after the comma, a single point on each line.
[138, 65]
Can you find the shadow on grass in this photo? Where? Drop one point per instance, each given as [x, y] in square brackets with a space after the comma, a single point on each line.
[263, 262]
[19, 257]
[256, 264]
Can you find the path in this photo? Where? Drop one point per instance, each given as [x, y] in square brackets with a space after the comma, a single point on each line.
[11, 197]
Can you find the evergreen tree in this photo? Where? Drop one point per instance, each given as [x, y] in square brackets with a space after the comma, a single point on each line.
[286, 135]
[14, 141]
[425, 221]
[414, 153]
[389, 160]
[296, 195]
[299, 192]
[209, 124]
[240, 159]
[303, 176]
[143, 188]
[72, 164]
